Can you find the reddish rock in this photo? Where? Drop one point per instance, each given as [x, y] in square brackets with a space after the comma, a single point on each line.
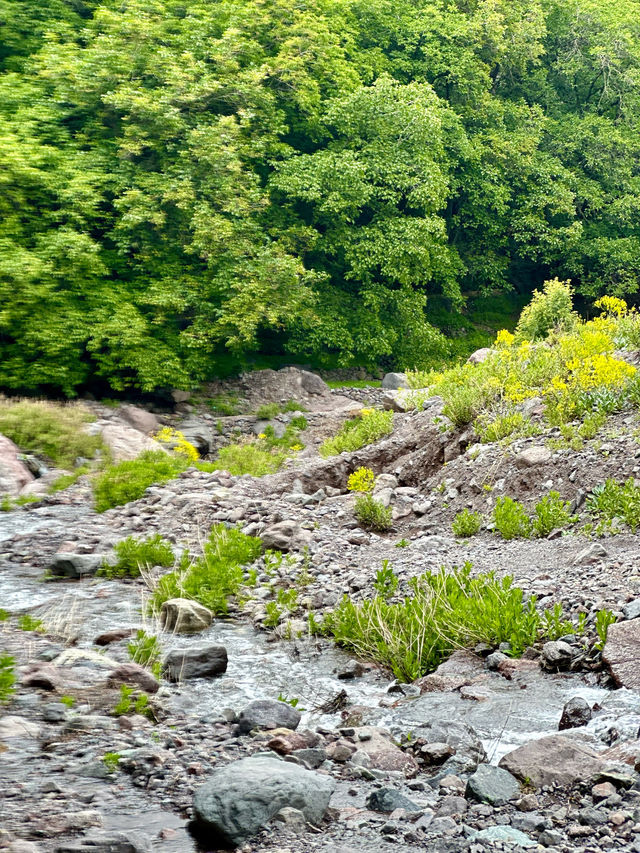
[383, 753]
[132, 674]
[287, 743]
[461, 669]
[552, 760]
[622, 653]
[113, 636]
[14, 476]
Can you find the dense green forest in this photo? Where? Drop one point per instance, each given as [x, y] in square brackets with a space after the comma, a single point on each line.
[184, 180]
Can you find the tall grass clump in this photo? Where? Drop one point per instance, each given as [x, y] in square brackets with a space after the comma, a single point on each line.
[133, 556]
[215, 576]
[127, 481]
[53, 431]
[612, 502]
[7, 677]
[264, 455]
[445, 611]
[371, 425]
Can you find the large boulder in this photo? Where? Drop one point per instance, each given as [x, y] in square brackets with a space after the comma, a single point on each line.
[268, 714]
[195, 662]
[185, 616]
[242, 797]
[139, 419]
[14, 476]
[622, 653]
[394, 381]
[125, 442]
[67, 564]
[552, 760]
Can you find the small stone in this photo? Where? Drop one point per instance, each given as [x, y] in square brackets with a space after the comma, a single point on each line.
[602, 790]
[550, 838]
[593, 553]
[388, 800]
[556, 655]
[533, 457]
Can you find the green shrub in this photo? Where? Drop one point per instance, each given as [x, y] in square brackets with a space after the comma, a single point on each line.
[551, 512]
[64, 481]
[127, 481]
[215, 576]
[50, 430]
[372, 514]
[551, 308]
[134, 555]
[371, 426]
[27, 622]
[111, 761]
[132, 702]
[8, 503]
[511, 520]
[248, 458]
[386, 582]
[444, 611]
[466, 523]
[612, 501]
[604, 618]
[7, 677]
[512, 425]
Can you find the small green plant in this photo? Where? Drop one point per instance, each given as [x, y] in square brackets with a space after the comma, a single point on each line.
[68, 701]
[272, 562]
[224, 404]
[372, 514]
[612, 502]
[270, 410]
[290, 700]
[403, 543]
[551, 513]
[26, 622]
[604, 618]
[129, 703]
[248, 458]
[145, 650]
[510, 519]
[4, 614]
[64, 481]
[362, 480]
[371, 426]
[273, 613]
[466, 523]
[215, 576]
[127, 481]
[7, 677]
[111, 760]
[136, 555]
[554, 625]
[386, 582]
[513, 425]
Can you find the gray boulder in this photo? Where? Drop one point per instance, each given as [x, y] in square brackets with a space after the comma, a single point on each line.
[196, 662]
[70, 565]
[242, 797]
[394, 381]
[267, 714]
[285, 536]
[492, 785]
[552, 760]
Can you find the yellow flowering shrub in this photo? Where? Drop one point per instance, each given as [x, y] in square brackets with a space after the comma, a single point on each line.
[362, 480]
[177, 442]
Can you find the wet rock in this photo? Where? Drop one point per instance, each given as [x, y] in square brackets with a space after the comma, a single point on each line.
[551, 760]
[285, 536]
[139, 419]
[113, 636]
[111, 842]
[383, 754]
[12, 726]
[460, 669]
[14, 475]
[461, 737]
[505, 834]
[54, 712]
[196, 662]
[133, 675]
[436, 753]
[632, 609]
[556, 655]
[622, 653]
[185, 616]
[267, 714]
[394, 381]
[492, 785]
[242, 797]
[69, 565]
[388, 800]
[576, 713]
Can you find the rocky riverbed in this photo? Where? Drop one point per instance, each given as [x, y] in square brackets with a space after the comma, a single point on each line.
[288, 743]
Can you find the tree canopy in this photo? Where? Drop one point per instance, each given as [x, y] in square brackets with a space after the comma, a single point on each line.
[182, 179]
